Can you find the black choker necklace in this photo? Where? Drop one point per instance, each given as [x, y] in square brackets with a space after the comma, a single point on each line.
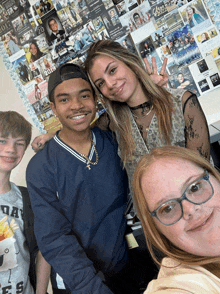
[146, 104]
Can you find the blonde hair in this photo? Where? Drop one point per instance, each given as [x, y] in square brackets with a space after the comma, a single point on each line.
[154, 238]
[119, 112]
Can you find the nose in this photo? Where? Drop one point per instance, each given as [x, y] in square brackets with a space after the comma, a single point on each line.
[110, 82]
[76, 104]
[10, 148]
[189, 209]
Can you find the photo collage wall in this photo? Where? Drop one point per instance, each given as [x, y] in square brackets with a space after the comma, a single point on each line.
[37, 38]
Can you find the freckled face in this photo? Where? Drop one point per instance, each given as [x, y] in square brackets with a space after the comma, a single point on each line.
[115, 80]
[198, 231]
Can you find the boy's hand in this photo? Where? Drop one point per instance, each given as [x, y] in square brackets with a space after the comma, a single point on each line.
[40, 141]
[160, 79]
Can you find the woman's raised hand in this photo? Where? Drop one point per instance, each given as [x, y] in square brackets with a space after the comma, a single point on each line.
[160, 78]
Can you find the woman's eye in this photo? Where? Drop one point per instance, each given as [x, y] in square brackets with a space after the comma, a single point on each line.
[113, 70]
[100, 84]
[2, 141]
[195, 188]
[166, 209]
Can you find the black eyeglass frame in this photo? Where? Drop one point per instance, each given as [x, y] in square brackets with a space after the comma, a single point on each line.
[183, 197]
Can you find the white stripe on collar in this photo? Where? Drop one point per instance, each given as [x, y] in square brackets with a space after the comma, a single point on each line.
[75, 153]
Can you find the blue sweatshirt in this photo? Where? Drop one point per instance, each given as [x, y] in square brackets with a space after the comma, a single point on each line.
[79, 212]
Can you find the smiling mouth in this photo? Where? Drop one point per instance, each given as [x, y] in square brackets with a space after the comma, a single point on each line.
[119, 90]
[9, 159]
[201, 225]
[78, 117]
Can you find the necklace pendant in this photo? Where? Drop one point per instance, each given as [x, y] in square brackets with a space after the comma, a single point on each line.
[88, 166]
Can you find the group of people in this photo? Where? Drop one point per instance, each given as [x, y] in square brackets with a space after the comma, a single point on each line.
[181, 43]
[152, 143]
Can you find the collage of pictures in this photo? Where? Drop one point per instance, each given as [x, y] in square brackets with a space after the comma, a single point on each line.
[38, 37]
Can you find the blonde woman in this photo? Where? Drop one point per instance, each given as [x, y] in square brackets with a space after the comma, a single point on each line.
[177, 195]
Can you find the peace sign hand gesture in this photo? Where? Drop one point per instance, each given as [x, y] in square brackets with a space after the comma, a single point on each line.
[160, 79]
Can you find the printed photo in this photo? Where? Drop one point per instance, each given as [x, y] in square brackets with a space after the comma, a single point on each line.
[202, 65]
[215, 79]
[194, 13]
[204, 86]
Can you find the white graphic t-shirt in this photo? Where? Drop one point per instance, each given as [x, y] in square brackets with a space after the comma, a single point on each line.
[14, 255]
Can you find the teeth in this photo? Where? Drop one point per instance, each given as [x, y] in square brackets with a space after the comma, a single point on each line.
[78, 117]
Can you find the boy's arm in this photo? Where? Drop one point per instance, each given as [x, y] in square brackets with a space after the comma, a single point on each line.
[40, 141]
[42, 274]
[56, 239]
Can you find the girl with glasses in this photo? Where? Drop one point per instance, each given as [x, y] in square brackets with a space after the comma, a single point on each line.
[177, 196]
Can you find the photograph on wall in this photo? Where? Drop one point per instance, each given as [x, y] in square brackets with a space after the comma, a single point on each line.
[147, 50]
[205, 69]
[203, 85]
[170, 22]
[202, 65]
[206, 42]
[96, 8]
[53, 27]
[103, 35]
[43, 7]
[216, 52]
[108, 4]
[36, 91]
[10, 42]
[46, 65]
[128, 43]
[81, 41]
[164, 51]
[182, 79]
[122, 8]
[183, 53]
[113, 16]
[36, 49]
[158, 38]
[112, 24]
[195, 14]
[12, 8]
[22, 69]
[215, 79]
[137, 18]
[159, 10]
[171, 5]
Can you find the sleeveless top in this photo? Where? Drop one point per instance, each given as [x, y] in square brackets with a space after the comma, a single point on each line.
[154, 140]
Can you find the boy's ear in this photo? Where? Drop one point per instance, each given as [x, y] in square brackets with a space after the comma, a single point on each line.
[53, 107]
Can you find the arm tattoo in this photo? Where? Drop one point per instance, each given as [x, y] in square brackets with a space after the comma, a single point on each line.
[190, 133]
[202, 152]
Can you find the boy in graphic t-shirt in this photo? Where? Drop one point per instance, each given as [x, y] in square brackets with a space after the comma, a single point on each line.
[19, 253]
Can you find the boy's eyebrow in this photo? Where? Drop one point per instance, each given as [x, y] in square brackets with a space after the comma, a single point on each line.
[85, 90]
[68, 94]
